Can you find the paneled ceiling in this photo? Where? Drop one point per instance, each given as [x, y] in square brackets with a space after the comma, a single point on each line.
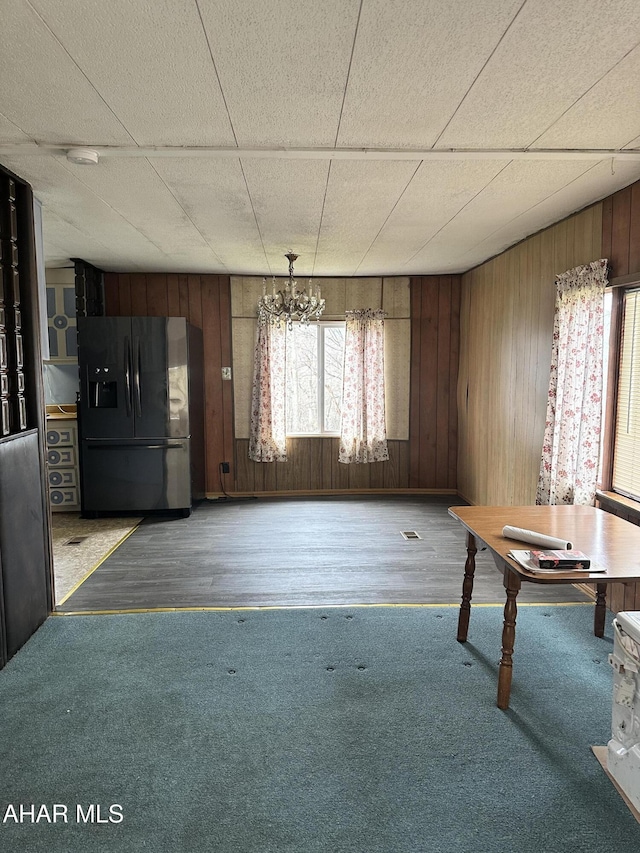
[369, 136]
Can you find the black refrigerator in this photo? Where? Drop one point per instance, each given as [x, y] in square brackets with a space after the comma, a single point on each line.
[140, 414]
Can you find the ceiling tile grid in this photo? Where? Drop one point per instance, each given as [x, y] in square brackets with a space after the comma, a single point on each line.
[44, 93]
[551, 55]
[281, 74]
[150, 63]
[592, 185]
[607, 116]
[77, 204]
[287, 197]
[283, 66]
[412, 64]
[213, 193]
[436, 195]
[514, 191]
[360, 197]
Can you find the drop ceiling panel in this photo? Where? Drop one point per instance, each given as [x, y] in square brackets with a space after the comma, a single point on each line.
[282, 66]
[49, 97]
[151, 64]
[593, 184]
[139, 194]
[437, 193]
[549, 58]
[287, 197]
[9, 132]
[64, 240]
[360, 197]
[291, 74]
[132, 191]
[213, 194]
[80, 206]
[516, 189]
[607, 116]
[412, 64]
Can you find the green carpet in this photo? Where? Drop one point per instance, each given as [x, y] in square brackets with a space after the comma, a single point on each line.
[360, 730]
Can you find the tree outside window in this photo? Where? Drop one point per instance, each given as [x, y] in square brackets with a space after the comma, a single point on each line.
[315, 358]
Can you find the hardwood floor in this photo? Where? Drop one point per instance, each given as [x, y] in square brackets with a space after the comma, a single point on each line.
[274, 551]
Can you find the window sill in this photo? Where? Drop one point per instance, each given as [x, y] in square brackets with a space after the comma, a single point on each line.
[313, 435]
[616, 501]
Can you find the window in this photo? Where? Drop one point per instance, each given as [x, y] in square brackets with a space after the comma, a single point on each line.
[315, 357]
[626, 461]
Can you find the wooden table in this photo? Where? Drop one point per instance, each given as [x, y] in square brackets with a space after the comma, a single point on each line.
[609, 541]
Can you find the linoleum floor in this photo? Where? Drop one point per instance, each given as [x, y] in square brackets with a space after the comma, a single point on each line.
[293, 552]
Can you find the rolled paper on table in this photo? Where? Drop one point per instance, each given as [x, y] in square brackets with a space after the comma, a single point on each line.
[534, 538]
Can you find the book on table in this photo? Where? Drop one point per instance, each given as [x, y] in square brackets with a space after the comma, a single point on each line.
[526, 560]
[559, 559]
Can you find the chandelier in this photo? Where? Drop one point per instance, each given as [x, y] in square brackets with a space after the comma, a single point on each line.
[290, 303]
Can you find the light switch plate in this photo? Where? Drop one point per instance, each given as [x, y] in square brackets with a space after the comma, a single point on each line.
[226, 373]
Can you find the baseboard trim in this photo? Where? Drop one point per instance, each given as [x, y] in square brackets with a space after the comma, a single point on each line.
[303, 493]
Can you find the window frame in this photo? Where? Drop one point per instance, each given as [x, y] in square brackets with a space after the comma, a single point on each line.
[618, 287]
[321, 324]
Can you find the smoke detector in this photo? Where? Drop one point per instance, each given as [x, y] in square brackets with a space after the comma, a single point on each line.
[83, 156]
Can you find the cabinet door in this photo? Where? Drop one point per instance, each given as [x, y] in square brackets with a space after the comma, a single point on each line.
[22, 545]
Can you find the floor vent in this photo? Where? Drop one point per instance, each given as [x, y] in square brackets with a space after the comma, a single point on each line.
[410, 534]
[75, 540]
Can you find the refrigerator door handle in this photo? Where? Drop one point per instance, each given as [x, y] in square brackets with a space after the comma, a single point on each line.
[127, 376]
[96, 444]
[136, 376]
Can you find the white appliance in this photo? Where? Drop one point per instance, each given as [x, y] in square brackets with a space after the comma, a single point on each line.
[623, 753]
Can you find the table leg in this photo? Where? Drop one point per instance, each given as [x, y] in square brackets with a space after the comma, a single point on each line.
[512, 586]
[601, 610]
[467, 589]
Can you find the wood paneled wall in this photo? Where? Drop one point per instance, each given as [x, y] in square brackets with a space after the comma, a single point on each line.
[506, 327]
[621, 230]
[426, 461]
[312, 465]
[205, 301]
[433, 418]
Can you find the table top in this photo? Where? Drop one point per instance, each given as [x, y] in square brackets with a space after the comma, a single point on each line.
[609, 541]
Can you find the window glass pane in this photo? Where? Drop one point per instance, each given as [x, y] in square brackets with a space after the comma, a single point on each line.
[626, 464]
[302, 379]
[333, 363]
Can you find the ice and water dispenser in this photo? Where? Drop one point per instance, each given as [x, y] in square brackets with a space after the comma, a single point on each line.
[103, 387]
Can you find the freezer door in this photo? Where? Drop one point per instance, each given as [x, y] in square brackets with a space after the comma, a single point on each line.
[135, 475]
[160, 377]
[105, 359]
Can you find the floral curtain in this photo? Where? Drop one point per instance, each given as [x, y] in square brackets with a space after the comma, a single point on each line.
[571, 446]
[363, 436]
[268, 435]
